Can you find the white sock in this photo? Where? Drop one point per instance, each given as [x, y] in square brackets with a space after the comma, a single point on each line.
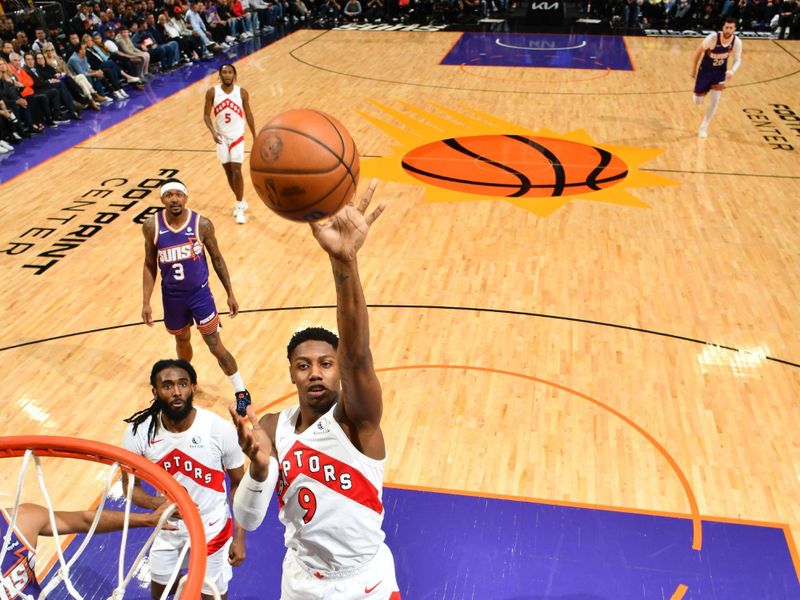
[714, 96]
[237, 382]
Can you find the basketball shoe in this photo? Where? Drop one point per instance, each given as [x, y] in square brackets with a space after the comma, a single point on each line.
[243, 205]
[243, 400]
[703, 132]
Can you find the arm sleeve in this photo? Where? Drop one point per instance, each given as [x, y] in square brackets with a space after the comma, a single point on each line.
[252, 497]
[737, 54]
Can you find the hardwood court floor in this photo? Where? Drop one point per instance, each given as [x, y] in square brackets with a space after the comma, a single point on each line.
[644, 358]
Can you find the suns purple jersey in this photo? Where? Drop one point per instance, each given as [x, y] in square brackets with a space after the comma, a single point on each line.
[715, 60]
[181, 254]
[329, 493]
[18, 564]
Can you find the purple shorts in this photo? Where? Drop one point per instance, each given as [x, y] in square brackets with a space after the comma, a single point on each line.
[181, 308]
[707, 79]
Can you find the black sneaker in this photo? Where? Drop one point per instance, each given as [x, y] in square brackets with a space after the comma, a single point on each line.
[242, 402]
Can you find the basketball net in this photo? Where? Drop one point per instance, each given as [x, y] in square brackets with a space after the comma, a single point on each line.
[62, 574]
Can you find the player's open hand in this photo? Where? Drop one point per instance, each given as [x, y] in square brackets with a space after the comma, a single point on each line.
[344, 233]
[254, 441]
[147, 315]
[728, 75]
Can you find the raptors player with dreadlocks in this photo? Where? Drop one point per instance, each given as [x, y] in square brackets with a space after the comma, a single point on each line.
[198, 448]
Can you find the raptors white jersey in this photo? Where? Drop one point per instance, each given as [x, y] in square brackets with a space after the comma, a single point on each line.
[229, 114]
[197, 458]
[330, 495]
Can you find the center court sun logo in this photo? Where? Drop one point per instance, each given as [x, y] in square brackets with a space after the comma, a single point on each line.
[471, 156]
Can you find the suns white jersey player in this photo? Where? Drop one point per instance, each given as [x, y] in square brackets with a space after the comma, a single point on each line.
[227, 107]
[326, 456]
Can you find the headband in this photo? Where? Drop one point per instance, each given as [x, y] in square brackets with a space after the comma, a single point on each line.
[173, 185]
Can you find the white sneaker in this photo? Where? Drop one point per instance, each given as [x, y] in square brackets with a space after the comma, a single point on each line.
[230, 39]
[241, 219]
[4, 150]
[703, 133]
[5, 145]
[243, 206]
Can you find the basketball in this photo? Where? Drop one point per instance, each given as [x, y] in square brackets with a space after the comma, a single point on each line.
[515, 166]
[304, 165]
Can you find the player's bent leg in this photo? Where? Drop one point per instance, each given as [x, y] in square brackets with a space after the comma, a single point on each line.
[164, 560]
[220, 352]
[183, 343]
[218, 571]
[714, 97]
[237, 181]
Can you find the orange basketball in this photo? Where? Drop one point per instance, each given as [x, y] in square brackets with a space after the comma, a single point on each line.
[304, 165]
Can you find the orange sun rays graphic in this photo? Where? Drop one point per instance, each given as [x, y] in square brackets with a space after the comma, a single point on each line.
[462, 156]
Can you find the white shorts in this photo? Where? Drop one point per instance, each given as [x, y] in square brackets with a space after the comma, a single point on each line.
[374, 581]
[231, 150]
[167, 546]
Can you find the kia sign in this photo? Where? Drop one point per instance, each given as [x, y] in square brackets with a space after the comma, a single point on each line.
[549, 13]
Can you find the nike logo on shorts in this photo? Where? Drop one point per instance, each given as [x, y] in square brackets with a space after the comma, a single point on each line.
[368, 590]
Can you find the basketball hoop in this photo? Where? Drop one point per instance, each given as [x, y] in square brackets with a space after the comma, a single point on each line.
[190, 586]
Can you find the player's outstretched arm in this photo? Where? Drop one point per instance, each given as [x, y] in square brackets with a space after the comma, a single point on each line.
[341, 237]
[150, 269]
[252, 497]
[218, 262]
[34, 520]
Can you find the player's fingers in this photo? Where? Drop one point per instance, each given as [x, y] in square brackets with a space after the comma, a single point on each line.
[373, 216]
[253, 417]
[367, 198]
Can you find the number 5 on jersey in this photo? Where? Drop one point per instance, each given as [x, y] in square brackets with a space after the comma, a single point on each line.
[308, 501]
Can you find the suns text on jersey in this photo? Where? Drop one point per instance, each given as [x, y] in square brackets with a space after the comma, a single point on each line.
[177, 253]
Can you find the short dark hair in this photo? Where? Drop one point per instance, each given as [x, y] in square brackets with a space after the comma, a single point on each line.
[729, 19]
[319, 334]
[235, 74]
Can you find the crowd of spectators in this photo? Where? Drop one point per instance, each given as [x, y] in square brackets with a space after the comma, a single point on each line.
[106, 49]
[779, 16]
[50, 72]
